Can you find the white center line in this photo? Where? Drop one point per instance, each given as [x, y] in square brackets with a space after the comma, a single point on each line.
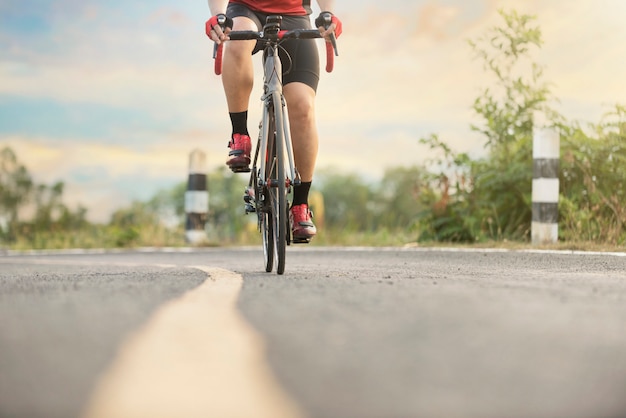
[195, 357]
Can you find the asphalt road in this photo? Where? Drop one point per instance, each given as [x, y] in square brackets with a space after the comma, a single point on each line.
[348, 332]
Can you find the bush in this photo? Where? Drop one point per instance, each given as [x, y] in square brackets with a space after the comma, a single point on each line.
[593, 179]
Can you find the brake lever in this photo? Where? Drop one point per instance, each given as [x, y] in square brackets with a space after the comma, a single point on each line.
[333, 41]
[328, 20]
[221, 21]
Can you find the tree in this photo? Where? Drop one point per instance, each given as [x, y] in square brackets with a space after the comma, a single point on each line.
[448, 196]
[16, 186]
[494, 198]
[593, 181]
[350, 202]
[507, 107]
[48, 205]
[226, 217]
[400, 191]
[502, 182]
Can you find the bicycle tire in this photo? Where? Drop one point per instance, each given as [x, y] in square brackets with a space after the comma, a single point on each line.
[266, 214]
[265, 225]
[267, 230]
[280, 191]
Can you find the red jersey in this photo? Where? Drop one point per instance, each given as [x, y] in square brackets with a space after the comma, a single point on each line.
[280, 7]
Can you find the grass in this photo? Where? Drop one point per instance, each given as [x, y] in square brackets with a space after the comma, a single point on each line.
[107, 237]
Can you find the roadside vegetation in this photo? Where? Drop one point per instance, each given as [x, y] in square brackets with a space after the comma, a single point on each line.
[451, 199]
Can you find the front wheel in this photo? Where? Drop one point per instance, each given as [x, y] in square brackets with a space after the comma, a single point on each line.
[267, 232]
[279, 193]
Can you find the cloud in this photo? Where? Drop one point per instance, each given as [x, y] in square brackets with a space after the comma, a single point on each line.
[171, 17]
[118, 93]
[436, 21]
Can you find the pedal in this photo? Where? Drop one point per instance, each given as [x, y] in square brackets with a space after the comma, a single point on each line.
[248, 197]
[249, 207]
[240, 169]
[301, 240]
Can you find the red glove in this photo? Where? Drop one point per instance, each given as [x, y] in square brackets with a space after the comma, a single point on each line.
[325, 19]
[220, 20]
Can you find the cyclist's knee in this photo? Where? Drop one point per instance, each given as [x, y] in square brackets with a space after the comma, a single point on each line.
[300, 100]
[243, 23]
[301, 111]
[239, 50]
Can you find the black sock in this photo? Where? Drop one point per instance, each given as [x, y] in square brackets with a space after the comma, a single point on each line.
[301, 193]
[240, 122]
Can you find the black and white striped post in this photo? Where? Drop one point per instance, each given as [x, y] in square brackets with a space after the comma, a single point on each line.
[196, 199]
[545, 193]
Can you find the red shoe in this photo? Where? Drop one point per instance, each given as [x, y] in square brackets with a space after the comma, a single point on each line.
[239, 155]
[302, 228]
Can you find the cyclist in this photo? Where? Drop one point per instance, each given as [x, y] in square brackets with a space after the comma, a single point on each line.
[300, 80]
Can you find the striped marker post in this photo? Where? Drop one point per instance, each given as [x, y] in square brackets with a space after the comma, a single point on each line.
[196, 199]
[545, 193]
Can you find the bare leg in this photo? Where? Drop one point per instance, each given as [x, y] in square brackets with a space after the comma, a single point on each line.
[238, 68]
[301, 106]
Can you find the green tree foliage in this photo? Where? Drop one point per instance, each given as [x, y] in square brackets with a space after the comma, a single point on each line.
[169, 204]
[16, 186]
[502, 181]
[127, 223]
[592, 203]
[507, 106]
[398, 198]
[348, 201]
[19, 195]
[453, 198]
[490, 198]
[446, 196]
[358, 211]
[226, 217]
[158, 220]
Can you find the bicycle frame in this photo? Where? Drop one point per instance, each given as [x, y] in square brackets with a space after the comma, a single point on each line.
[273, 170]
[273, 183]
[272, 94]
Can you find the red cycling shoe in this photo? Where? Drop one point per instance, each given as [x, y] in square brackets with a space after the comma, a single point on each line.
[302, 227]
[239, 154]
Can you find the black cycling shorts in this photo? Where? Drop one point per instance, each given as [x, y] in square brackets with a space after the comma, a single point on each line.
[300, 57]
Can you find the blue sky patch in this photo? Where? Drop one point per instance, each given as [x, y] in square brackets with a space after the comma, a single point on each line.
[26, 20]
[50, 118]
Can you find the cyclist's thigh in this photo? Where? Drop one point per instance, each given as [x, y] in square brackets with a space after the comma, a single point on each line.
[243, 19]
[303, 65]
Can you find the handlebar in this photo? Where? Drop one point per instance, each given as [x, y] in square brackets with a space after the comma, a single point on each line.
[267, 37]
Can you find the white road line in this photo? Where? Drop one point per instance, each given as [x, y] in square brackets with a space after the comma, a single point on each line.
[196, 357]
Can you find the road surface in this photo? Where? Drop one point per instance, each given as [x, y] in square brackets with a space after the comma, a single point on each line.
[351, 332]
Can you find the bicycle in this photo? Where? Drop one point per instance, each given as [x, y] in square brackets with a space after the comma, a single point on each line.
[273, 172]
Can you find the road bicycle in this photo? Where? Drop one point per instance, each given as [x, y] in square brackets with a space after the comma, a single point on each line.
[273, 173]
